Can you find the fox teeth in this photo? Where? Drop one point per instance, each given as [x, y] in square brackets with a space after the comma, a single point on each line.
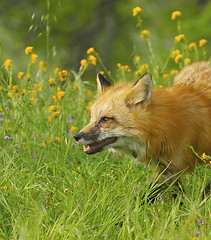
[86, 148]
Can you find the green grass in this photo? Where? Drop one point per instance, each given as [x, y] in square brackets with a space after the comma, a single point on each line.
[86, 197]
[51, 190]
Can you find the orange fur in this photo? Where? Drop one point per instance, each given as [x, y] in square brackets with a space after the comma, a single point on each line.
[164, 122]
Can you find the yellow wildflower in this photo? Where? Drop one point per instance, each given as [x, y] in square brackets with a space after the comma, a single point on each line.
[33, 58]
[174, 53]
[9, 94]
[204, 156]
[202, 42]
[145, 34]
[63, 72]
[88, 108]
[26, 148]
[44, 145]
[20, 75]
[49, 119]
[51, 109]
[55, 114]
[144, 66]
[126, 68]
[28, 50]
[55, 99]
[60, 94]
[102, 72]
[57, 139]
[33, 100]
[192, 46]
[72, 129]
[37, 86]
[174, 72]
[137, 58]
[15, 89]
[24, 91]
[42, 66]
[178, 58]
[75, 86]
[83, 63]
[63, 75]
[5, 187]
[119, 65]
[136, 10]
[179, 37]
[175, 14]
[165, 76]
[187, 61]
[90, 50]
[92, 59]
[51, 81]
[57, 70]
[7, 64]
[138, 73]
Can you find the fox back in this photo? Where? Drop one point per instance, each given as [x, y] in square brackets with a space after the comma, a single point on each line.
[161, 124]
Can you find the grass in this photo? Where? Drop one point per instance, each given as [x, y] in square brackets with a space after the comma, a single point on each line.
[51, 190]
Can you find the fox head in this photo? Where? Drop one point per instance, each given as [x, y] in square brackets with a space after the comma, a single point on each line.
[113, 119]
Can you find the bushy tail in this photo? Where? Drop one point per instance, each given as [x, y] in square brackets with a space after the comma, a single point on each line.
[198, 72]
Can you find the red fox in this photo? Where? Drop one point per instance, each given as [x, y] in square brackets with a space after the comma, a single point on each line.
[163, 123]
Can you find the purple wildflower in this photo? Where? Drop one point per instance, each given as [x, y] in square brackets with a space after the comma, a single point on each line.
[159, 198]
[201, 222]
[184, 198]
[7, 109]
[1, 119]
[6, 137]
[197, 233]
[69, 132]
[74, 144]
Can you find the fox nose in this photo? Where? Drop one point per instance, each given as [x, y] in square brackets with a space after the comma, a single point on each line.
[77, 137]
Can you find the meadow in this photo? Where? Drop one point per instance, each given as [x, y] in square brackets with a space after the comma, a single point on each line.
[49, 189]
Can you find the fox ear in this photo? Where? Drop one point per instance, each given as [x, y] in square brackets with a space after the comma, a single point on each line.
[141, 90]
[102, 84]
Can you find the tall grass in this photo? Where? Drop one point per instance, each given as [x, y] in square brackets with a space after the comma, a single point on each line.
[51, 190]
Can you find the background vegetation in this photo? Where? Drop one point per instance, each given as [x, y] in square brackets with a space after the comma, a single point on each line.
[49, 189]
[74, 26]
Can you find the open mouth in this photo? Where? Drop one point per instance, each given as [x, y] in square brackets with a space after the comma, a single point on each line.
[98, 146]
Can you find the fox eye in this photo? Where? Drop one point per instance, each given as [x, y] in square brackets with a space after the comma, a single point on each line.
[105, 119]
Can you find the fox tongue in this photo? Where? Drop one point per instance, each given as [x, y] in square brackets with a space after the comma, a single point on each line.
[98, 146]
